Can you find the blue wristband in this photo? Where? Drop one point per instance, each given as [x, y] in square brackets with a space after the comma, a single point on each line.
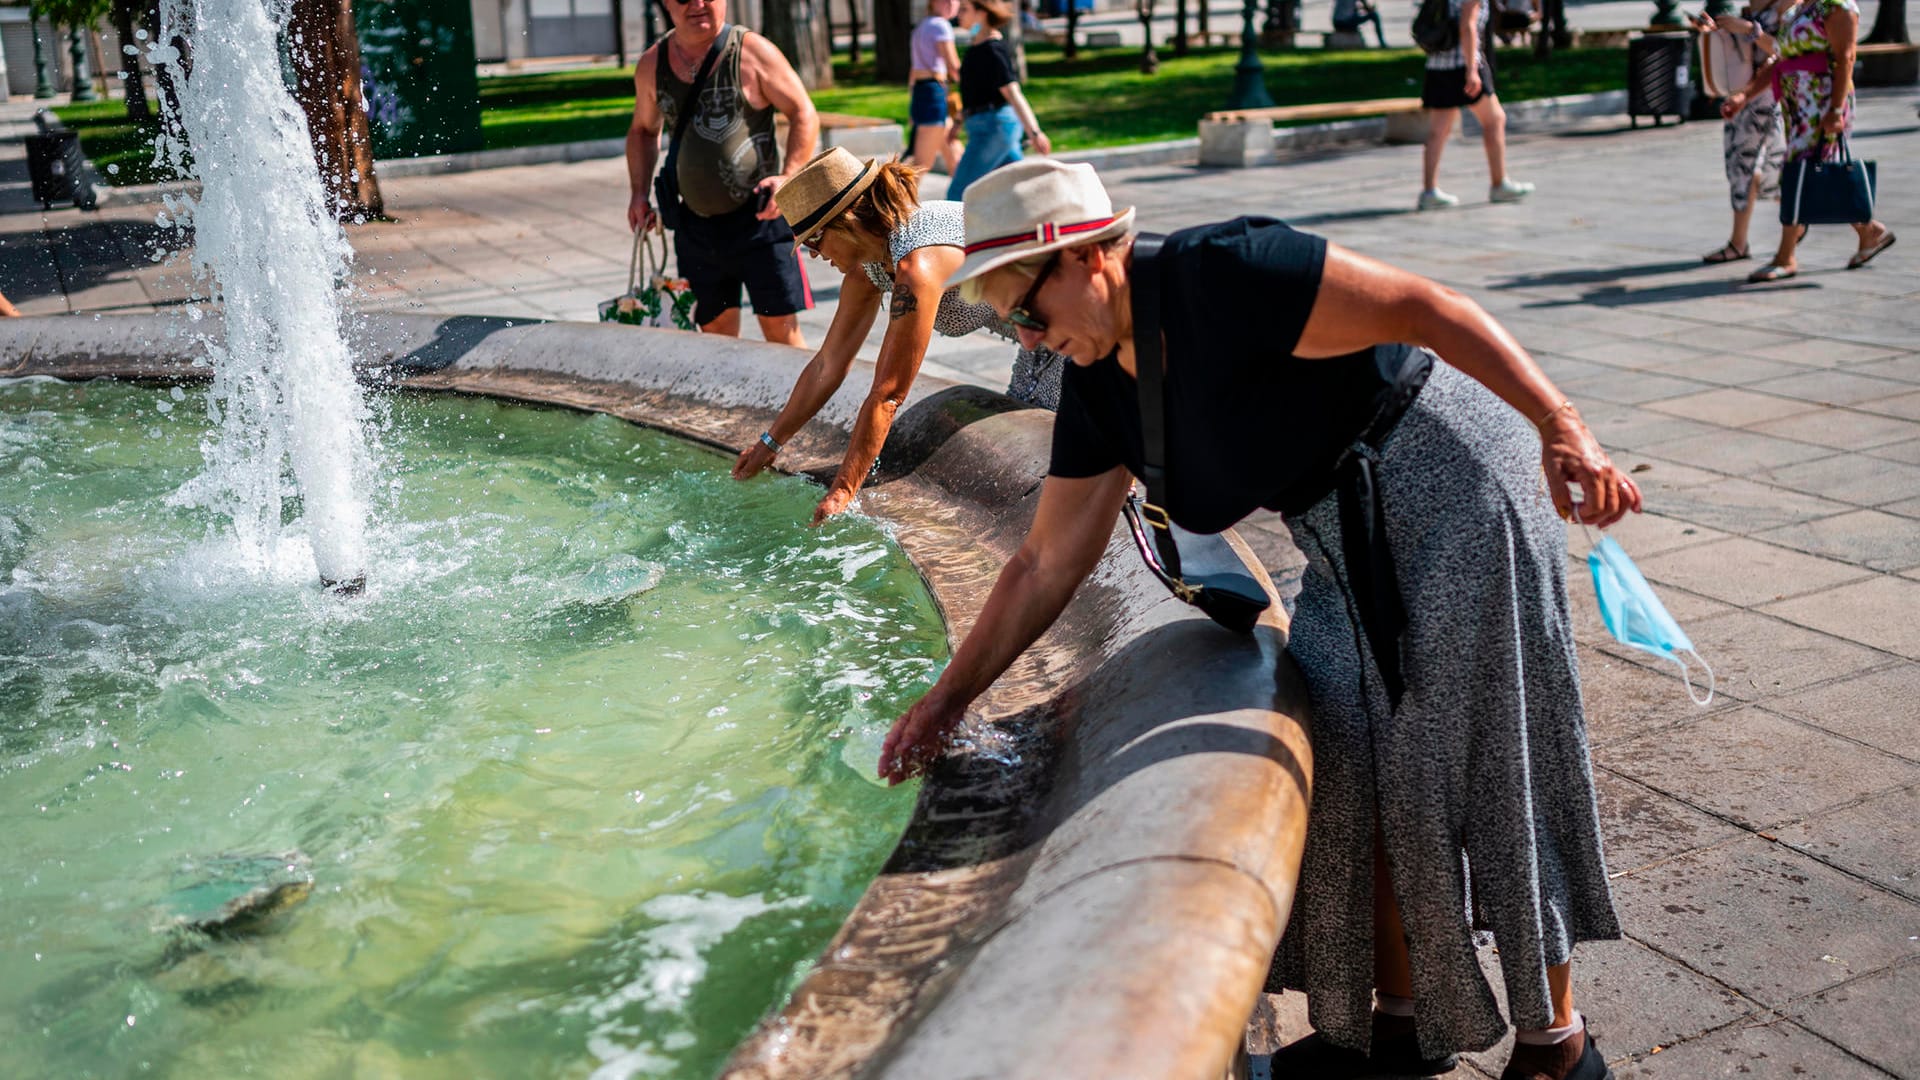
[766, 440]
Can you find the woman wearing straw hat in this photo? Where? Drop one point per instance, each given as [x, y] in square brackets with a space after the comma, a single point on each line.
[1432, 625]
[866, 218]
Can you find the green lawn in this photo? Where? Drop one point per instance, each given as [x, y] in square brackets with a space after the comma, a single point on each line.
[1100, 99]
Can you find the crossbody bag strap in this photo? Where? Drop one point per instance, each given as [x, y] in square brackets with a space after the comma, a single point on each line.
[1149, 364]
[693, 92]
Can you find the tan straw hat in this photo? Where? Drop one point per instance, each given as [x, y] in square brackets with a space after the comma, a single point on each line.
[1033, 206]
[824, 189]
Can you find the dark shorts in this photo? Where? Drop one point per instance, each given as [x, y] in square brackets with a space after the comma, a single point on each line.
[929, 103]
[1446, 88]
[719, 255]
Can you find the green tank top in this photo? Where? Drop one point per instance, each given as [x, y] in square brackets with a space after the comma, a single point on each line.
[729, 146]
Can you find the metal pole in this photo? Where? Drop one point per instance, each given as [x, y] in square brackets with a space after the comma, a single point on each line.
[1249, 77]
[42, 78]
[82, 78]
[1666, 12]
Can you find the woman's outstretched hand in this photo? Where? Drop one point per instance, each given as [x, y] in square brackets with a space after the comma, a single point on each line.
[834, 501]
[1572, 457]
[917, 738]
[752, 461]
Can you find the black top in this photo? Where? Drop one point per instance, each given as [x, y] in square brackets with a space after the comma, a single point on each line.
[1249, 424]
[986, 68]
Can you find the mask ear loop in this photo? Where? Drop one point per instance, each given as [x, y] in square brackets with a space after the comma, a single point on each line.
[1686, 674]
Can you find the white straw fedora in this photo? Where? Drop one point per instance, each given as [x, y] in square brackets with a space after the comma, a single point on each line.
[823, 189]
[1034, 206]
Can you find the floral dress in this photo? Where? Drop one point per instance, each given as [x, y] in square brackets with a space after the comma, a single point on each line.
[1751, 141]
[1805, 95]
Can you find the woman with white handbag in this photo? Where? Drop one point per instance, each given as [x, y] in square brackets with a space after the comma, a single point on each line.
[1732, 48]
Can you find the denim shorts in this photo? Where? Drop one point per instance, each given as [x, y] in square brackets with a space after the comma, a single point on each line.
[929, 107]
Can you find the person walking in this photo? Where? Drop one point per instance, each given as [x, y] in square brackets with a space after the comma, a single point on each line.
[996, 112]
[1812, 76]
[935, 62]
[725, 168]
[867, 220]
[1752, 145]
[1402, 433]
[1457, 78]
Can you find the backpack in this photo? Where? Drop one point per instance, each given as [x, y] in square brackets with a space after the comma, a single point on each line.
[1435, 29]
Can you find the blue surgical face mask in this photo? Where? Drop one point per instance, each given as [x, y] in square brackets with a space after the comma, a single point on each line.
[1635, 617]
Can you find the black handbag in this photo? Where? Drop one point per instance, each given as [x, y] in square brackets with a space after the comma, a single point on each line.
[1235, 601]
[1828, 192]
[666, 185]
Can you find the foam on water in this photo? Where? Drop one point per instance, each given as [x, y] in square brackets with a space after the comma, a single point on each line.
[283, 393]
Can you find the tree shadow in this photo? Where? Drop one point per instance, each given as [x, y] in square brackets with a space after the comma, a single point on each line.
[36, 263]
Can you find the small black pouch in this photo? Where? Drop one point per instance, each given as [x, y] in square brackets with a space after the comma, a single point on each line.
[1235, 601]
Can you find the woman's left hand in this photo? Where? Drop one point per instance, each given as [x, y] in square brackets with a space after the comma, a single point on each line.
[751, 461]
[1833, 122]
[1572, 457]
[835, 501]
[1041, 143]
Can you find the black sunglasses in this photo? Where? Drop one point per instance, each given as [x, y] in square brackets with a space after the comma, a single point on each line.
[1022, 314]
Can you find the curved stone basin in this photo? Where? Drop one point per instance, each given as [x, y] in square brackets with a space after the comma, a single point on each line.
[1092, 882]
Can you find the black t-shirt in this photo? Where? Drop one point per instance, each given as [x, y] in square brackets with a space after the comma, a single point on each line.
[1249, 424]
[986, 68]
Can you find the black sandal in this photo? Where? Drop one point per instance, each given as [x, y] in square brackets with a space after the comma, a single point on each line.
[1727, 254]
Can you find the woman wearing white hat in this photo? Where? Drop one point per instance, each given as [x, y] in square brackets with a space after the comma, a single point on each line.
[866, 218]
[1432, 625]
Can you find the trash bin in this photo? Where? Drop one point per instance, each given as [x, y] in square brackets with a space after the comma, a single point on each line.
[1657, 82]
[51, 157]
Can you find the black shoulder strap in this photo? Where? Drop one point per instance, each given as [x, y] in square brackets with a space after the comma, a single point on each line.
[692, 104]
[1149, 364]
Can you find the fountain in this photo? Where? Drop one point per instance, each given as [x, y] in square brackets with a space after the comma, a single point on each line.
[283, 393]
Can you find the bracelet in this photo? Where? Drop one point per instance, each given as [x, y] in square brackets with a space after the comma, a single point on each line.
[767, 440]
[1551, 413]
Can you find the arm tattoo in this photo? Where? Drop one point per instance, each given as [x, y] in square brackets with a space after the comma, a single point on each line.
[904, 303]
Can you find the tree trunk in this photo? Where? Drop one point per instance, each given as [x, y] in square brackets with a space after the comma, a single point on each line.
[1179, 26]
[1890, 26]
[1071, 50]
[853, 34]
[892, 27]
[799, 29]
[328, 64]
[136, 85]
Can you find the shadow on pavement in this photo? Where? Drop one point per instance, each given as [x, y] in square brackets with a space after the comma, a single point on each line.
[1596, 276]
[1367, 214]
[83, 256]
[1621, 296]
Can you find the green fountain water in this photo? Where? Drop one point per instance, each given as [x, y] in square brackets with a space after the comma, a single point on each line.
[580, 784]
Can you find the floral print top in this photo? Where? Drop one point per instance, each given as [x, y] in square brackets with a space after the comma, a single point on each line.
[1806, 95]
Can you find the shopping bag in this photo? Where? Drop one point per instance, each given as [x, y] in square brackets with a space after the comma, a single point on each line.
[652, 298]
[1828, 192]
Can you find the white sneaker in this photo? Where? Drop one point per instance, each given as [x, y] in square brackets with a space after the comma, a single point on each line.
[1435, 199]
[1509, 191]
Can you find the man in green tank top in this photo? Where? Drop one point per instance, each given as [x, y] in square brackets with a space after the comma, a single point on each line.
[730, 234]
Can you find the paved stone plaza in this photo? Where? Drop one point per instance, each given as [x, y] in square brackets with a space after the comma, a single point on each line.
[1766, 850]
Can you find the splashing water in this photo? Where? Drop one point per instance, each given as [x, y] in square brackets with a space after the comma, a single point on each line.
[283, 394]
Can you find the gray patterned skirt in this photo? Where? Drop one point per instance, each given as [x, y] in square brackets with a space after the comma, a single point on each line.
[1753, 142]
[1479, 782]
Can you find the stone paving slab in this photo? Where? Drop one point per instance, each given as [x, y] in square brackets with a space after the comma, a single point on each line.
[1760, 845]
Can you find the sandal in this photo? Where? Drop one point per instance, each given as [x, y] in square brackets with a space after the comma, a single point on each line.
[1862, 258]
[1726, 255]
[1771, 272]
